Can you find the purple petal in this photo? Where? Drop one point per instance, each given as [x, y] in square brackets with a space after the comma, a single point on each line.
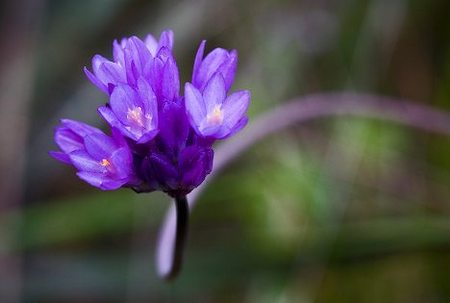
[235, 107]
[60, 156]
[207, 130]
[100, 181]
[149, 101]
[163, 76]
[225, 131]
[124, 98]
[69, 135]
[198, 61]
[214, 93]
[150, 109]
[67, 140]
[110, 73]
[164, 53]
[195, 105]
[94, 179]
[147, 136]
[131, 71]
[171, 81]
[209, 67]
[80, 128]
[84, 162]
[99, 146]
[228, 69]
[98, 60]
[95, 81]
[118, 137]
[166, 39]
[122, 162]
[139, 53]
[111, 184]
[174, 126]
[237, 127]
[151, 44]
[195, 163]
[109, 116]
[112, 120]
[154, 72]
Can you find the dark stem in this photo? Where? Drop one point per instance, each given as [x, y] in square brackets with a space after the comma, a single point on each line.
[182, 213]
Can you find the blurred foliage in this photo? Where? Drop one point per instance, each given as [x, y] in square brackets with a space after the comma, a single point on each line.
[336, 210]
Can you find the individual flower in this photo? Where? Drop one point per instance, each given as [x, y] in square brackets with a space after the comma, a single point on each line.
[130, 58]
[218, 61]
[134, 112]
[69, 136]
[102, 161]
[212, 113]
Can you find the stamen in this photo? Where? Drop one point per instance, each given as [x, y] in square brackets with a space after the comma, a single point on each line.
[216, 117]
[105, 163]
[136, 116]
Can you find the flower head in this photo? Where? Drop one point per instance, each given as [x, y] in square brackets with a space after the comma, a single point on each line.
[160, 139]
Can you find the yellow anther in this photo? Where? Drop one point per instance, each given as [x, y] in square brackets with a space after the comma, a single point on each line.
[105, 163]
[216, 117]
[136, 116]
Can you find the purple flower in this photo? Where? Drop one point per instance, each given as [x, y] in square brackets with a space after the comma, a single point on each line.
[218, 61]
[160, 139]
[102, 161]
[131, 57]
[133, 111]
[69, 137]
[212, 113]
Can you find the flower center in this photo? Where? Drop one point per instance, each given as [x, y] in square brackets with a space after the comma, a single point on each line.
[215, 117]
[107, 164]
[136, 116]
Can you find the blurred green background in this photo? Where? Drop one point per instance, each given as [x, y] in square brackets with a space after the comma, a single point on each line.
[333, 210]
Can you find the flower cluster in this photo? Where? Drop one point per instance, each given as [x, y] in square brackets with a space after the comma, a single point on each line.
[160, 140]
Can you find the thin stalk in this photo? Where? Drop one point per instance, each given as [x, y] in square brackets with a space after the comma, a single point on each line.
[182, 214]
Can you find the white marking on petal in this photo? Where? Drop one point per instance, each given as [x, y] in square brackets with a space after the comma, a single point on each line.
[136, 116]
[215, 117]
